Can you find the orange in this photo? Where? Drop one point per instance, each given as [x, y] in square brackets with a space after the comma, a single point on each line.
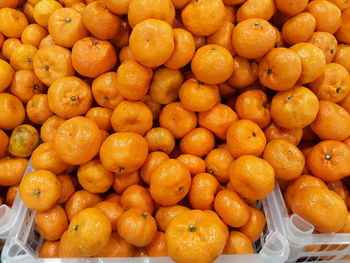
[238, 243]
[8, 46]
[203, 18]
[203, 189]
[22, 57]
[160, 139]
[291, 7]
[33, 34]
[196, 96]
[123, 181]
[25, 85]
[332, 122]
[253, 105]
[294, 108]
[68, 187]
[166, 214]
[105, 92]
[212, 64]
[48, 249]
[4, 142]
[79, 6]
[12, 170]
[245, 137]
[113, 197]
[327, 160]
[79, 201]
[6, 73]
[69, 97]
[91, 57]
[10, 3]
[178, 4]
[231, 208]
[49, 128]
[102, 116]
[170, 182]
[341, 189]
[116, 247]
[245, 72]
[255, 225]
[326, 42]
[45, 158]
[285, 158]
[23, 140]
[346, 227]
[253, 38]
[140, 10]
[256, 9]
[11, 194]
[52, 63]
[94, 177]
[303, 23]
[77, 140]
[125, 54]
[333, 85]
[51, 223]
[136, 196]
[132, 116]
[101, 23]
[133, 80]
[40, 190]
[69, 21]
[12, 22]
[280, 69]
[218, 162]
[222, 37]
[328, 15]
[154, 159]
[12, 111]
[28, 10]
[119, 7]
[124, 152]
[65, 249]
[165, 85]
[342, 34]
[311, 203]
[196, 236]
[112, 210]
[313, 61]
[183, 51]
[152, 42]
[341, 4]
[247, 180]
[122, 38]
[194, 163]
[342, 55]
[199, 142]
[157, 248]
[43, 9]
[137, 227]
[38, 110]
[177, 119]
[89, 232]
[153, 106]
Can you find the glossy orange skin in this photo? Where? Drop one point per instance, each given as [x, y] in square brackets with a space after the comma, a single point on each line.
[25, 85]
[112, 210]
[198, 142]
[245, 72]
[194, 163]
[238, 243]
[273, 131]
[303, 23]
[33, 34]
[154, 159]
[256, 9]
[165, 214]
[13, 22]
[68, 187]
[49, 128]
[255, 225]
[203, 189]
[22, 57]
[160, 139]
[48, 249]
[102, 116]
[6, 73]
[116, 247]
[136, 196]
[123, 181]
[8, 46]
[38, 110]
[341, 189]
[157, 248]
[12, 170]
[326, 42]
[4, 141]
[218, 162]
[12, 111]
[291, 7]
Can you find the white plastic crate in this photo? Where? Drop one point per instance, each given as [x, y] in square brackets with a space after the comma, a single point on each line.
[23, 242]
[306, 246]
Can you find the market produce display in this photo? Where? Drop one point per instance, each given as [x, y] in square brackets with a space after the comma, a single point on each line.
[156, 126]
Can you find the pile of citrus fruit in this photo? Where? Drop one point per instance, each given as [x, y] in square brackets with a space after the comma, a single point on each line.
[163, 122]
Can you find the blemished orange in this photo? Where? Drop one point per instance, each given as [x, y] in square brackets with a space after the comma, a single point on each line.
[51, 223]
[52, 63]
[165, 214]
[12, 170]
[218, 162]
[170, 182]
[22, 57]
[204, 187]
[253, 38]
[303, 23]
[153, 106]
[203, 18]
[48, 249]
[112, 210]
[23, 140]
[13, 22]
[238, 243]
[33, 34]
[256, 9]
[152, 42]
[194, 163]
[198, 142]
[89, 232]
[197, 96]
[280, 69]
[68, 187]
[116, 247]
[326, 42]
[196, 236]
[326, 160]
[160, 139]
[255, 225]
[294, 108]
[332, 122]
[157, 248]
[7, 73]
[94, 177]
[136, 196]
[245, 137]
[137, 227]
[212, 64]
[246, 179]
[49, 128]
[231, 208]
[124, 152]
[40, 190]
[244, 74]
[123, 181]
[154, 159]
[91, 57]
[38, 110]
[102, 116]
[133, 80]
[285, 158]
[312, 202]
[132, 116]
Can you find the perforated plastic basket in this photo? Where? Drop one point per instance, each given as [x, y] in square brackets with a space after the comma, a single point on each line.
[23, 242]
[306, 246]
